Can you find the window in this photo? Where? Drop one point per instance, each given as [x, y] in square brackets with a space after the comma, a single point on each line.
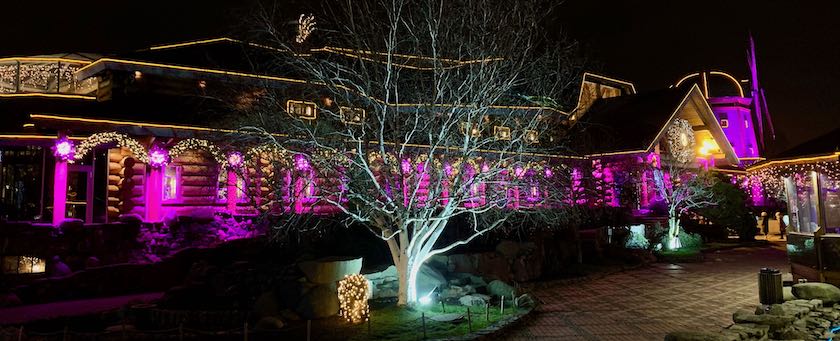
[172, 183]
[724, 123]
[746, 124]
[303, 110]
[473, 129]
[501, 133]
[23, 265]
[241, 184]
[352, 115]
[532, 137]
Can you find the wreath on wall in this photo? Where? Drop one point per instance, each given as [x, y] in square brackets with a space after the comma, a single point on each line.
[681, 141]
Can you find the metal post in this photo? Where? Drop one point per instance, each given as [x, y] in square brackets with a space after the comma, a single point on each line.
[308, 330]
[423, 318]
[817, 187]
[469, 319]
[502, 309]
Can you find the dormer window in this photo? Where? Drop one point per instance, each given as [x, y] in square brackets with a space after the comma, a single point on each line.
[302, 110]
[746, 124]
[501, 133]
[352, 115]
[724, 123]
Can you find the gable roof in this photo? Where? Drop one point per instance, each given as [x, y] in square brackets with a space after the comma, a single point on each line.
[634, 123]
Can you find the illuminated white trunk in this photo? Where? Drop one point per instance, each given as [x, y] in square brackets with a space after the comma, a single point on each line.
[674, 232]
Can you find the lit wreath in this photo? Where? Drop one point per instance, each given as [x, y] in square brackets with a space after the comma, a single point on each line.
[681, 141]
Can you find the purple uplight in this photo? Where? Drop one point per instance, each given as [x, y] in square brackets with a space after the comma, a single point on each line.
[63, 149]
[548, 172]
[235, 159]
[158, 157]
[406, 166]
[301, 163]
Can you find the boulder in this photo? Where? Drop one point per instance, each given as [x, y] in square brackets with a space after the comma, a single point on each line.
[59, 269]
[775, 322]
[330, 270]
[828, 293]
[493, 265]
[462, 263]
[270, 323]
[508, 249]
[266, 305]
[439, 262]
[787, 293]
[320, 302]
[498, 288]
[131, 218]
[474, 300]
[429, 279]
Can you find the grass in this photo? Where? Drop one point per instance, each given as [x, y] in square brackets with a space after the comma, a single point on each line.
[395, 323]
[682, 255]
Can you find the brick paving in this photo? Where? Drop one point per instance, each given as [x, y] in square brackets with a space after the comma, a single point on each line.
[647, 303]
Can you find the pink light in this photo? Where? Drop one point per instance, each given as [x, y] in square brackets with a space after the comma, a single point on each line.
[548, 172]
[518, 172]
[406, 166]
[63, 149]
[158, 157]
[301, 163]
[447, 168]
[59, 191]
[234, 159]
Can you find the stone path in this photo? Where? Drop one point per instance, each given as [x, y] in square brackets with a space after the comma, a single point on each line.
[648, 303]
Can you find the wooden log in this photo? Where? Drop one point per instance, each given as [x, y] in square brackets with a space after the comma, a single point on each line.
[114, 179]
[193, 160]
[199, 170]
[113, 188]
[198, 180]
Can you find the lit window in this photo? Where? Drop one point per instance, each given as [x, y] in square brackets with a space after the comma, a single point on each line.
[474, 129]
[303, 110]
[352, 115]
[532, 137]
[241, 183]
[746, 124]
[23, 265]
[501, 133]
[724, 123]
[172, 183]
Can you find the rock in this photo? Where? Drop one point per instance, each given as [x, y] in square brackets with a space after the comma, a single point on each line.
[524, 301]
[429, 279]
[775, 322]
[439, 262]
[693, 336]
[828, 293]
[266, 305]
[270, 323]
[453, 291]
[320, 302]
[750, 330]
[447, 317]
[92, 262]
[508, 249]
[498, 288]
[493, 265]
[59, 269]
[330, 270]
[477, 300]
[9, 299]
[131, 218]
[787, 293]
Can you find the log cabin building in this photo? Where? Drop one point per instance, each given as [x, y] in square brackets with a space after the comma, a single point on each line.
[104, 140]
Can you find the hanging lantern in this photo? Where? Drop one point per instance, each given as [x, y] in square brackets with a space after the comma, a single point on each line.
[235, 159]
[158, 157]
[64, 149]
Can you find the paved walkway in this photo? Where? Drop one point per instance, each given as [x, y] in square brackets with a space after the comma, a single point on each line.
[648, 303]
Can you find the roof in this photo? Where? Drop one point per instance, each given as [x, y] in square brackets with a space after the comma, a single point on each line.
[827, 143]
[625, 123]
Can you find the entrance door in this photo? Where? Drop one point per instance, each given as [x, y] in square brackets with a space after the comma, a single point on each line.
[80, 192]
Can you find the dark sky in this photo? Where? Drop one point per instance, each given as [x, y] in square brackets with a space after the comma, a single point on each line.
[649, 42]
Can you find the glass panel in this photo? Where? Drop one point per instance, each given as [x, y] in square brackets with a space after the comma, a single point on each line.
[170, 182]
[831, 195]
[77, 194]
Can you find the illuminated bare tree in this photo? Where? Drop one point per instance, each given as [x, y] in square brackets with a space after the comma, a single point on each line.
[428, 112]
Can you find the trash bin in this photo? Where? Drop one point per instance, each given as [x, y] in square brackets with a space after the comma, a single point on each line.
[770, 286]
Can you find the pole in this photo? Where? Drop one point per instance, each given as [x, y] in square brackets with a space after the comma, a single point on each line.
[469, 319]
[245, 331]
[423, 318]
[442, 307]
[487, 311]
[308, 330]
[502, 309]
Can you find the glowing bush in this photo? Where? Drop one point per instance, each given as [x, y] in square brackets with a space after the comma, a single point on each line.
[353, 298]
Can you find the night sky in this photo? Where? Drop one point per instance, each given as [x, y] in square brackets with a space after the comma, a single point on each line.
[651, 43]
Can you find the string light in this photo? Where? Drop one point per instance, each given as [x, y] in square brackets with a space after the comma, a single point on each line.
[199, 144]
[121, 140]
[681, 140]
[353, 298]
[306, 25]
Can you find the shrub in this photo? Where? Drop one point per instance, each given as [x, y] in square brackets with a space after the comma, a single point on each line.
[691, 241]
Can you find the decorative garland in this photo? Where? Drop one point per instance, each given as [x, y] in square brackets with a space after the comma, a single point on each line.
[139, 152]
[770, 178]
[273, 153]
[681, 141]
[199, 144]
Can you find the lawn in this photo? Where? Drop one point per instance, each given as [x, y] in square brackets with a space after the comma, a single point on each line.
[394, 323]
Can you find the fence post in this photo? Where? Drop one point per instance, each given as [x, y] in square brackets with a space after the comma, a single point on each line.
[245, 330]
[442, 307]
[20, 333]
[423, 318]
[487, 311]
[469, 319]
[502, 309]
[308, 330]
